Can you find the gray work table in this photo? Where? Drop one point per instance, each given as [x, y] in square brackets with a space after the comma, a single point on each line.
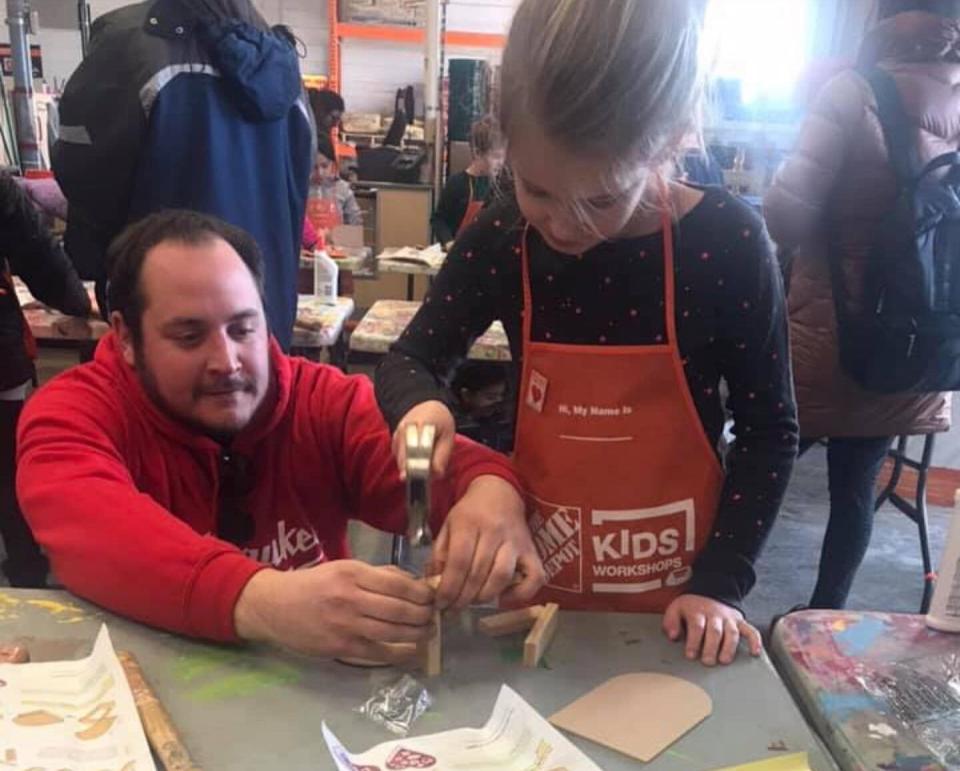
[241, 708]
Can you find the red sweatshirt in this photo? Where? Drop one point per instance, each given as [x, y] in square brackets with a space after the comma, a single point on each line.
[124, 499]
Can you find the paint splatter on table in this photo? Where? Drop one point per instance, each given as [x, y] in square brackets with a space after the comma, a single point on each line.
[63, 612]
[882, 690]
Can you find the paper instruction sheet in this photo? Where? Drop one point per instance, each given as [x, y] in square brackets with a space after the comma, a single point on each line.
[515, 738]
[76, 715]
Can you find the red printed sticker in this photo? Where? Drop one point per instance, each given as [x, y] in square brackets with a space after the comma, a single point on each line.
[537, 391]
[403, 759]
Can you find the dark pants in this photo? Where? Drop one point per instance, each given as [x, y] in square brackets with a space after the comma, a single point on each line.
[25, 565]
[853, 465]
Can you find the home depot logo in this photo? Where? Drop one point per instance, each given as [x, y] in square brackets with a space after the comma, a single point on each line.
[558, 535]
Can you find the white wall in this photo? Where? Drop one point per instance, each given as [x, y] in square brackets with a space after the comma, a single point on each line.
[373, 71]
[308, 20]
[59, 37]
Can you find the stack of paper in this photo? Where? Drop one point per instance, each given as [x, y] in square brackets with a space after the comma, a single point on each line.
[71, 714]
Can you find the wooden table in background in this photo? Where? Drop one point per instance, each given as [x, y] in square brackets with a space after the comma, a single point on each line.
[383, 324]
[878, 687]
[410, 268]
[318, 327]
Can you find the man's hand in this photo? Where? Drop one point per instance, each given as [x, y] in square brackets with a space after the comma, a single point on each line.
[713, 629]
[340, 609]
[484, 544]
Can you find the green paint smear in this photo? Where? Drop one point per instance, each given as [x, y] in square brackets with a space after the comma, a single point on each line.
[193, 665]
[680, 755]
[207, 669]
[244, 684]
[513, 654]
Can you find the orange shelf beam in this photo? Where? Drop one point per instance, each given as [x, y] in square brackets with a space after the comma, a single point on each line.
[333, 52]
[417, 35]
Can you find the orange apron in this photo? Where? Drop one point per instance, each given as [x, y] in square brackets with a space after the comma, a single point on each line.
[474, 207]
[323, 213]
[623, 482]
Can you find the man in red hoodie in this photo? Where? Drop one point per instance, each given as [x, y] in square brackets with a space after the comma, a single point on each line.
[181, 476]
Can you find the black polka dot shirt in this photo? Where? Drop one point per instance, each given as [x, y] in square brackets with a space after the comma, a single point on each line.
[731, 329]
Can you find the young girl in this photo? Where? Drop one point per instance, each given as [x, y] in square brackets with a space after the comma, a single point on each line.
[627, 297]
[331, 200]
[466, 193]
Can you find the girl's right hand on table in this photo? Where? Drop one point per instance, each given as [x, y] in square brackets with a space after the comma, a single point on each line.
[437, 414]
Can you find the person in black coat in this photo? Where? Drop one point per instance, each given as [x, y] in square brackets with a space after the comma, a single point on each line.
[27, 250]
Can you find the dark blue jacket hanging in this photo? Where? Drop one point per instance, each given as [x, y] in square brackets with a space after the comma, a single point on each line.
[168, 111]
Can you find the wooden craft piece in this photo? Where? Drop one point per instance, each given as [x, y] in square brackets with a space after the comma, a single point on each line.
[510, 622]
[431, 656]
[541, 635]
[427, 654]
[159, 728]
[639, 714]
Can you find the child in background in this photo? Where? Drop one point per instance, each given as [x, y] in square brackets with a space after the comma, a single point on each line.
[627, 297]
[480, 391]
[331, 200]
[466, 193]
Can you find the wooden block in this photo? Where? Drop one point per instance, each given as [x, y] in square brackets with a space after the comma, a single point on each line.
[427, 654]
[512, 621]
[157, 725]
[431, 657]
[14, 654]
[541, 635]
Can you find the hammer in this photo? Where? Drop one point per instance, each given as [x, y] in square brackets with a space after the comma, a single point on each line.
[413, 550]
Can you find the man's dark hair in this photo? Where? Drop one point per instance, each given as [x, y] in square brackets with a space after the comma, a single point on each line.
[948, 8]
[129, 251]
[324, 101]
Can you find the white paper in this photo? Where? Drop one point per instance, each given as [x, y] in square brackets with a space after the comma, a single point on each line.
[515, 738]
[77, 715]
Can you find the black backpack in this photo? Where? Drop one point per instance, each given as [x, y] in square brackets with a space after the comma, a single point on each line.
[905, 336]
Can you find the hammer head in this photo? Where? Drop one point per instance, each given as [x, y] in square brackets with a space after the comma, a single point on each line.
[419, 444]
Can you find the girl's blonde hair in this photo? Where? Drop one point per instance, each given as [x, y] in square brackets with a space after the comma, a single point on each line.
[615, 79]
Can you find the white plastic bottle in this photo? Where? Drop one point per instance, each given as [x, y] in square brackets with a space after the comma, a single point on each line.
[944, 612]
[326, 274]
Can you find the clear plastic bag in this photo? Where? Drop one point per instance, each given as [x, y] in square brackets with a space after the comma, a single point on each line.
[397, 706]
